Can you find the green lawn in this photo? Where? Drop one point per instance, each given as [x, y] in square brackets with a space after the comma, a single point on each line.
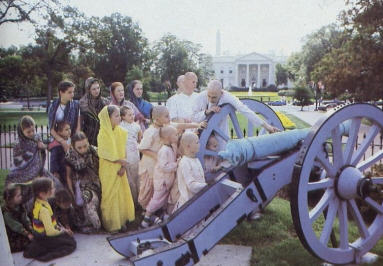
[3, 174]
[13, 117]
[274, 240]
[262, 96]
[242, 120]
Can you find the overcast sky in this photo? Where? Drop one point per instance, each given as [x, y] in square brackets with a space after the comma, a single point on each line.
[245, 25]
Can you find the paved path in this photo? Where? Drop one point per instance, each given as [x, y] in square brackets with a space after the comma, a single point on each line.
[95, 250]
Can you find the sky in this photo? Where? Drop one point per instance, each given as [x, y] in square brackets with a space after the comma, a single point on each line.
[263, 26]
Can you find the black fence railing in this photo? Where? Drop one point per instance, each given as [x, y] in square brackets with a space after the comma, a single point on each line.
[8, 136]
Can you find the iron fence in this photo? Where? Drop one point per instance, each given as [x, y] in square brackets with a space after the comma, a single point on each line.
[8, 136]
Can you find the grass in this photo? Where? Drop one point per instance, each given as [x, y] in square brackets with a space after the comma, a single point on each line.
[262, 96]
[13, 117]
[274, 241]
[3, 174]
[242, 120]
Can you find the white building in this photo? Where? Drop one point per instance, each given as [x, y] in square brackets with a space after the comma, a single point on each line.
[253, 69]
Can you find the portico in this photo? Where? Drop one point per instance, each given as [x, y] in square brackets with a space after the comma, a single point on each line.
[254, 70]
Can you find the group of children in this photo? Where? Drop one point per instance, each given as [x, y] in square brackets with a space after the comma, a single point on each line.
[166, 176]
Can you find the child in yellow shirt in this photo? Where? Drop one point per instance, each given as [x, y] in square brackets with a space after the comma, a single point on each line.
[50, 241]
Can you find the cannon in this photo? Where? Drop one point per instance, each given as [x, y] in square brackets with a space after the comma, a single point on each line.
[327, 169]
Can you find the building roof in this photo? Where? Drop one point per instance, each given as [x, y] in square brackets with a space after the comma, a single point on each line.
[249, 57]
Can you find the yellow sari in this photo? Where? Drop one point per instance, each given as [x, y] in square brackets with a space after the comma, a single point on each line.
[117, 205]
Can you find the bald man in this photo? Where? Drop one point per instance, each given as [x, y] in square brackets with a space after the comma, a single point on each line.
[208, 102]
[170, 103]
[180, 107]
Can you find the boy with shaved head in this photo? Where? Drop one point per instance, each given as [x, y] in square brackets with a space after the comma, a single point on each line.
[190, 174]
[181, 106]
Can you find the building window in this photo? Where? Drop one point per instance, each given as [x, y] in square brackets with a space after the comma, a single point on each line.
[230, 71]
[221, 71]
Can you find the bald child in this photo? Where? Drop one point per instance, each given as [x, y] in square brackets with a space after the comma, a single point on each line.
[190, 174]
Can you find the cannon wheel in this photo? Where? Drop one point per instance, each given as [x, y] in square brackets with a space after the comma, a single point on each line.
[324, 209]
[227, 110]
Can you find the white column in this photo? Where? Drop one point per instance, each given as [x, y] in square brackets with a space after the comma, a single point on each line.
[259, 76]
[5, 252]
[247, 75]
[236, 73]
[269, 79]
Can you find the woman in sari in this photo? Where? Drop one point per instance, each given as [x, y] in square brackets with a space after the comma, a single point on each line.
[117, 207]
[135, 96]
[117, 95]
[28, 160]
[90, 105]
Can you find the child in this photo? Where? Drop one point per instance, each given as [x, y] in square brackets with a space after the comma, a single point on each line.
[164, 173]
[132, 153]
[62, 208]
[212, 163]
[50, 240]
[149, 147]
[190, 175]
[58, 166]
[84, 183]
[17, 223]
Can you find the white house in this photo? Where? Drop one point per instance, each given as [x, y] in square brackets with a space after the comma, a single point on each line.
[253, 69]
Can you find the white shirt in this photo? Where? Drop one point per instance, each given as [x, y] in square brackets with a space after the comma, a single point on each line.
[190, 178]
[181, 106]
[132, 153]
[60, 113]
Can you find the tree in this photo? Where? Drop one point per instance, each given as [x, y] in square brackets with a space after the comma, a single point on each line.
[175, 57]
[281, 74]
[356, 65]
[318, 44]
[303, 95]
[112, 45]
[21, 10]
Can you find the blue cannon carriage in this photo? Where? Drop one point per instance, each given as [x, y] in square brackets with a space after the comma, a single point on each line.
[325, 167]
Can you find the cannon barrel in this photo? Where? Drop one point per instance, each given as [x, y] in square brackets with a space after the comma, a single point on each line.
[241, 151]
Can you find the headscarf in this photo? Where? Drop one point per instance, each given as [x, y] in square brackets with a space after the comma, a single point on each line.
[111, 142]
[143, 106]
[28, 159]
[90, 104]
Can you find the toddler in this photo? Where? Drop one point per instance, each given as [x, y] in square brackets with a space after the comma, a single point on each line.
[63, 210]
[58, 167]
[190, 174]
[132, 153]
[164, 173]
[17, 223]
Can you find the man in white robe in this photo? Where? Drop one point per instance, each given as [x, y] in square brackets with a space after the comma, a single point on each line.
[180, 107]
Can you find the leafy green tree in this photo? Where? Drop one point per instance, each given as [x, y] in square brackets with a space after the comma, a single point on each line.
[303, 95]
[300, 65]
[176, 57]
[356, 65]
[112, 46]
